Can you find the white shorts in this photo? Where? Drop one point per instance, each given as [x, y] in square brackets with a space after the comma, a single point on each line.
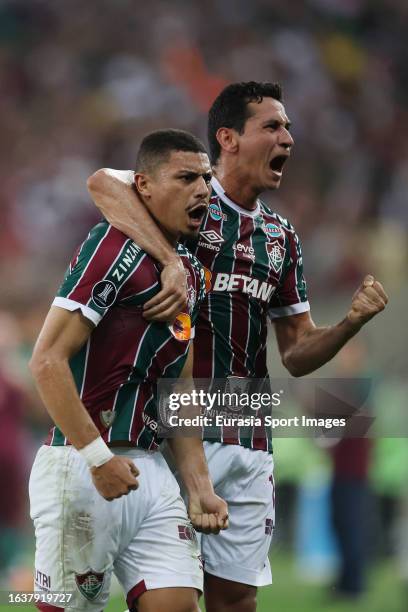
[145, 537]
[244, 478]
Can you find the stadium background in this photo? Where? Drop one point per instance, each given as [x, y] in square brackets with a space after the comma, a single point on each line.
[81, 83]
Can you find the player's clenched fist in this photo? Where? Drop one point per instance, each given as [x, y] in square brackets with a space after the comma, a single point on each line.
[208, 513]
[369, 299]
[115, 478]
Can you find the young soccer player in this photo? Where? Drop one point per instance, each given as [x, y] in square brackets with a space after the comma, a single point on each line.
[96, 364]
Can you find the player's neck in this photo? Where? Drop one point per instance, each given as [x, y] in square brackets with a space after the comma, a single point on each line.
[171, 238]
[236, 186]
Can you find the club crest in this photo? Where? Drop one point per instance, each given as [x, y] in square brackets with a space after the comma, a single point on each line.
[187, 532]
[235, 386]
[90, 584]
[276, 254]
[107, 417]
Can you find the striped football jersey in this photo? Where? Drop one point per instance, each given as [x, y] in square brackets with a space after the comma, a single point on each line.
[254, 269]
[115, 372]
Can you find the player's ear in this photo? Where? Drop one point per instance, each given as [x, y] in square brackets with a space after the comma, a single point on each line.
[228, 139]
[142, 184]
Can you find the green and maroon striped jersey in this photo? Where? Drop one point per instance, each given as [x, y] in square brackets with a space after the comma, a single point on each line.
[109, 279]
[254, 264]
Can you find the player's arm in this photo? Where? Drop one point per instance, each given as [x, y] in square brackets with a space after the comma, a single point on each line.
[114, 194]
[304, 347]
[62, 336]
[208, 512]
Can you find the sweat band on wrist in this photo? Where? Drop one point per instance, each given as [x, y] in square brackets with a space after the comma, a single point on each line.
[96, 453]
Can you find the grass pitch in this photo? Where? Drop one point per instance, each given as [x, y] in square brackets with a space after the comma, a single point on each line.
[290, 594]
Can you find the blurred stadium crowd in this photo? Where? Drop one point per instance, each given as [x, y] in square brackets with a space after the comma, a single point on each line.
[82, 82]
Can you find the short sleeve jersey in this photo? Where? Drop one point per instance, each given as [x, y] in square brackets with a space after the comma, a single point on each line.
[254, 269]
[108, 280]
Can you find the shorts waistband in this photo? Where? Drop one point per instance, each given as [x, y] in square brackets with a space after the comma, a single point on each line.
[129, 451]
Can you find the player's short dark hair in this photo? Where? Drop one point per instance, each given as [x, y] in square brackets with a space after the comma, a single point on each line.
[157, 147]
[230, 109]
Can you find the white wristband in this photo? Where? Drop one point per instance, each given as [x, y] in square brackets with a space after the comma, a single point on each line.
[96, 453]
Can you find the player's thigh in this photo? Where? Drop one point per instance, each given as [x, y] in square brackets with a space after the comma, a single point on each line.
[228, 596]
[244, 478]
[76, 530]
[164, 552]
[172, 600]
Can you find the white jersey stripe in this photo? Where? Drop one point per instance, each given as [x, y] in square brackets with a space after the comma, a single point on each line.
[88, 344]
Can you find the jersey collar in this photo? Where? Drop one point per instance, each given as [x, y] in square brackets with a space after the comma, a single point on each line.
[216, 185]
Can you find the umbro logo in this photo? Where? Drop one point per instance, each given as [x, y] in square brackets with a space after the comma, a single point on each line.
[212, 236]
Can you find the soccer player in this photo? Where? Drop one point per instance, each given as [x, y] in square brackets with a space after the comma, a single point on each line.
[96, 363]
[255, 261]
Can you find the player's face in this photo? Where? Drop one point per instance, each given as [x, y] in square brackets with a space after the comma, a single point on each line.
[265, 144]
[179, 193]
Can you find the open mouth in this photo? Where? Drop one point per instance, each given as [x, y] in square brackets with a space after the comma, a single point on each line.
[197, 213]
[277, 163]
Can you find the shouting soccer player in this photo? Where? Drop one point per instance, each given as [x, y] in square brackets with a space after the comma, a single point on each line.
[96, 363]
[254, 257]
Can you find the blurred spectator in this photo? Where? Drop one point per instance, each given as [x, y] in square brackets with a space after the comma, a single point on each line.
[79, 94]
[350, 492]
[15, 445]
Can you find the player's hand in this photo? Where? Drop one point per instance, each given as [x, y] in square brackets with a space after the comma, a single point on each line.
[369, 299]
[208, 512]
[172, 299]
[115, 478]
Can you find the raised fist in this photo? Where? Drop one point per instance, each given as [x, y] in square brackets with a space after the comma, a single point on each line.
[369, 299]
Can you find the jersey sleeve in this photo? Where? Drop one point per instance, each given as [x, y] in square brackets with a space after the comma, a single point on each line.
[290, 298]
[95, 275]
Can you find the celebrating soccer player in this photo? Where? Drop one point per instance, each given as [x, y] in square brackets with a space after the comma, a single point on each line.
[96, 364]
[255, 261]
